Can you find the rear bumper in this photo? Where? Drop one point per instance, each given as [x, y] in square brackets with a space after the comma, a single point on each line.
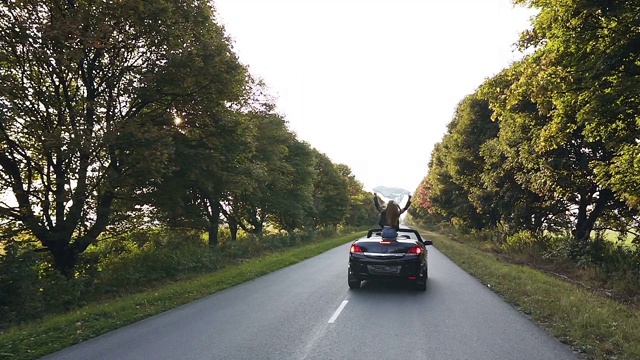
[409, 269]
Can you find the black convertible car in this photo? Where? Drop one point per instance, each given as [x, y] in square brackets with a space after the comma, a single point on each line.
[403, 258]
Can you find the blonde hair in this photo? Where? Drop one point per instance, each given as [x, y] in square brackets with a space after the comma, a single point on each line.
[393, 214]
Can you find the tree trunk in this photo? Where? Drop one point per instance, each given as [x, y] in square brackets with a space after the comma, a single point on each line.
[585, 222]
[232, 221]
[257, 228]
[214, 220]
[213, 234]
[580, 230]
[256, 222]
[64, 259]
[233, 228]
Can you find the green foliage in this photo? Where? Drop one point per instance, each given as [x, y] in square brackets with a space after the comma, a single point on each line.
[330, 193]
[625, 174]
[520, 172]
[620, 269]
[118, 116]
[588, 320]
[526, 242]
[360, 211]
[291, 195]
[586, 69]
[52, 333]
[18, 281]
[446, 198]
[522, 151]
[469, 130]
[31, 288]
[118, 266]
[90, 91]
[278, 174]
[60, 293]
[451, 189]
[167, 254]
[212, 151]
[611, 265]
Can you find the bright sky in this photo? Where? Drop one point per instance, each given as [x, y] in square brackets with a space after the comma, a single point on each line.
[373, 84]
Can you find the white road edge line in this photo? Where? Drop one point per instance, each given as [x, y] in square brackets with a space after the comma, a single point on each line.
[338, 311]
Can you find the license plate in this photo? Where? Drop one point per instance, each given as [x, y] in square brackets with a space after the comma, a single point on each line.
[383, 269]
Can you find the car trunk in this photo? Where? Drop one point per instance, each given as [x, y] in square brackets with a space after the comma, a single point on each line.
[376, 248]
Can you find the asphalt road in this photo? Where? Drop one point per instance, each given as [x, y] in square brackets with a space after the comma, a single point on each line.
[306, 311]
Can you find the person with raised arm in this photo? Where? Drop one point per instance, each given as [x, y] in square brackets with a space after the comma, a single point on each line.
[389, 216]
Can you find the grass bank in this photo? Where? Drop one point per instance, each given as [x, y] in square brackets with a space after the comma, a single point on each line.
[598, 326]
[56, 332]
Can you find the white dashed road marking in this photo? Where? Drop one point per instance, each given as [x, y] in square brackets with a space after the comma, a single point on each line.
[338, 311]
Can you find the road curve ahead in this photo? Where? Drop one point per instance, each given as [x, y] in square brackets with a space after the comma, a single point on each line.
[306, 311]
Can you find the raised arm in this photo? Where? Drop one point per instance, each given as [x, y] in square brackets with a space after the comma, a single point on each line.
[407, 205]
[376, 202]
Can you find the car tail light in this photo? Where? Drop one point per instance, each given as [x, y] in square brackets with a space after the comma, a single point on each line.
[415, 250]
[356, 249]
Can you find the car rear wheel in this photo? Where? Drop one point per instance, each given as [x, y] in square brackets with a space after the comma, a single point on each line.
[421, 284]
[354, 283]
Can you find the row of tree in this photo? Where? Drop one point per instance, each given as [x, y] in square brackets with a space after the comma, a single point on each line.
[120, 115]
[553, 141]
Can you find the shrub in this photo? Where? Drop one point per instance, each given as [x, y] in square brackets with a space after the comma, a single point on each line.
[618, 266]
[19, 284]
[59, 293]
[536, 245]
[30, 288]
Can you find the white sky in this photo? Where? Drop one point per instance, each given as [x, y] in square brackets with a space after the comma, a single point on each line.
[373, 84]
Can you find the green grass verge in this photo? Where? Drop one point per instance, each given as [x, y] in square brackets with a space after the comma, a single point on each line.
[599, 327]
[56, 332]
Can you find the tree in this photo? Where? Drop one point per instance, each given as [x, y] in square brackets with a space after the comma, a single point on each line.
[292, 195]
[209, 164]
[513, 164]
[471, 127]
[360, 210]
[330, 193]
[421, 209]
[268, 170]
[444, 196]
[586, 67]
[215, 160]
[548, 148]
[90, 90]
